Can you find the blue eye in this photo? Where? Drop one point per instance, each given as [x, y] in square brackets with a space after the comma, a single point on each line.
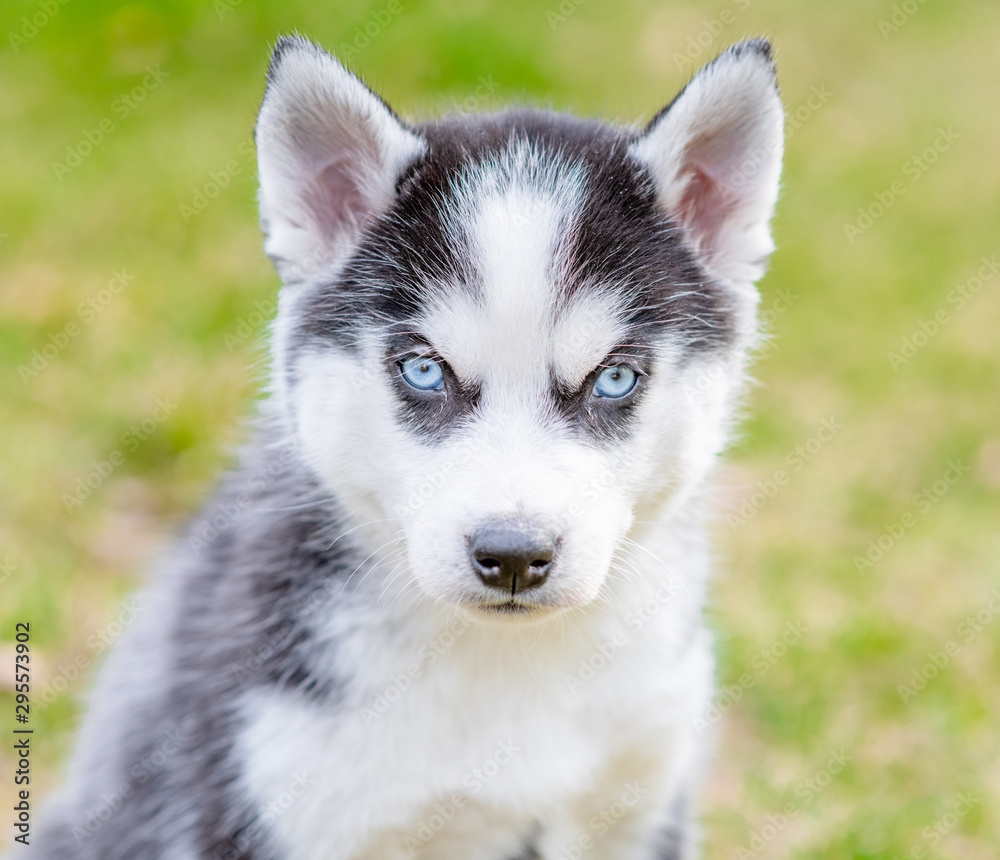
[422, 373]
[615, 381]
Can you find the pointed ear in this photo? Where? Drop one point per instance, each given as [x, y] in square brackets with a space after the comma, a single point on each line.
[329, 155]
[715, 157]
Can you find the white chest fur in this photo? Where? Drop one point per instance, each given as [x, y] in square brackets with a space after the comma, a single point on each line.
[462, 746]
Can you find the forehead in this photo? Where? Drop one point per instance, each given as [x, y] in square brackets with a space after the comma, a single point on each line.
[515, 216]
[530, 236]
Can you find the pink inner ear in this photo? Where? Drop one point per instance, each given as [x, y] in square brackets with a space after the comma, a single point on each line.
[336, 200]
[704, 206]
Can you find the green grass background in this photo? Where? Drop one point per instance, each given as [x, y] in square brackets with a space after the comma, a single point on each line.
[173, 333]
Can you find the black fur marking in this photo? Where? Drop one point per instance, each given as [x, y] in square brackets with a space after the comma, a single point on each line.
[261, 560]
[529, 852]
[246, 599]
[674, 839]
[620, 243]
[622, 239]
[284, 46]
[529, 849]
[403, 255]
[281, 563]
[428, 413]
[606, 418]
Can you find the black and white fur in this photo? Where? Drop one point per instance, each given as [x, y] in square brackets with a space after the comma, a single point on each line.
[266, 704]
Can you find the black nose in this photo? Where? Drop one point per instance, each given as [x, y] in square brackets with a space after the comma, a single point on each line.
[511, 557]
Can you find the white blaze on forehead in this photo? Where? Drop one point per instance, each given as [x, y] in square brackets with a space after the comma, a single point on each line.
[508, 331]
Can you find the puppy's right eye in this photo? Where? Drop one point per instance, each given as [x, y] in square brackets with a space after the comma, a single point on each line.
[616, 381]
[422, 372]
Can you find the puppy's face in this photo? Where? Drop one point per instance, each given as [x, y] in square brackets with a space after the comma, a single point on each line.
[502, 337]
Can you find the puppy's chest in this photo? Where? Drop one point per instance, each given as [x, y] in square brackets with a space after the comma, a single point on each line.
[517, 735]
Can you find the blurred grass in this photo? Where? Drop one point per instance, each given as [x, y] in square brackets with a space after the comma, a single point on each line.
[172, 333]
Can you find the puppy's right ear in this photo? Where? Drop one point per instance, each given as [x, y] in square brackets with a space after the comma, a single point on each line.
[329, 154]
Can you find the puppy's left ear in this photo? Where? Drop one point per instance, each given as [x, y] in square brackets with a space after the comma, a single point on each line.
[715, 157]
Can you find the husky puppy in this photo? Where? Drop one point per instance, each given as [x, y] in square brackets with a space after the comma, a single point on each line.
[449, 604]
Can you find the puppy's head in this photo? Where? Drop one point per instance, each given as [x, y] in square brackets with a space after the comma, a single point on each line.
[508, 337]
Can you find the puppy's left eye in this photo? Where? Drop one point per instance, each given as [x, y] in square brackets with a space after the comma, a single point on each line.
[422, 373]
[616, 381]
